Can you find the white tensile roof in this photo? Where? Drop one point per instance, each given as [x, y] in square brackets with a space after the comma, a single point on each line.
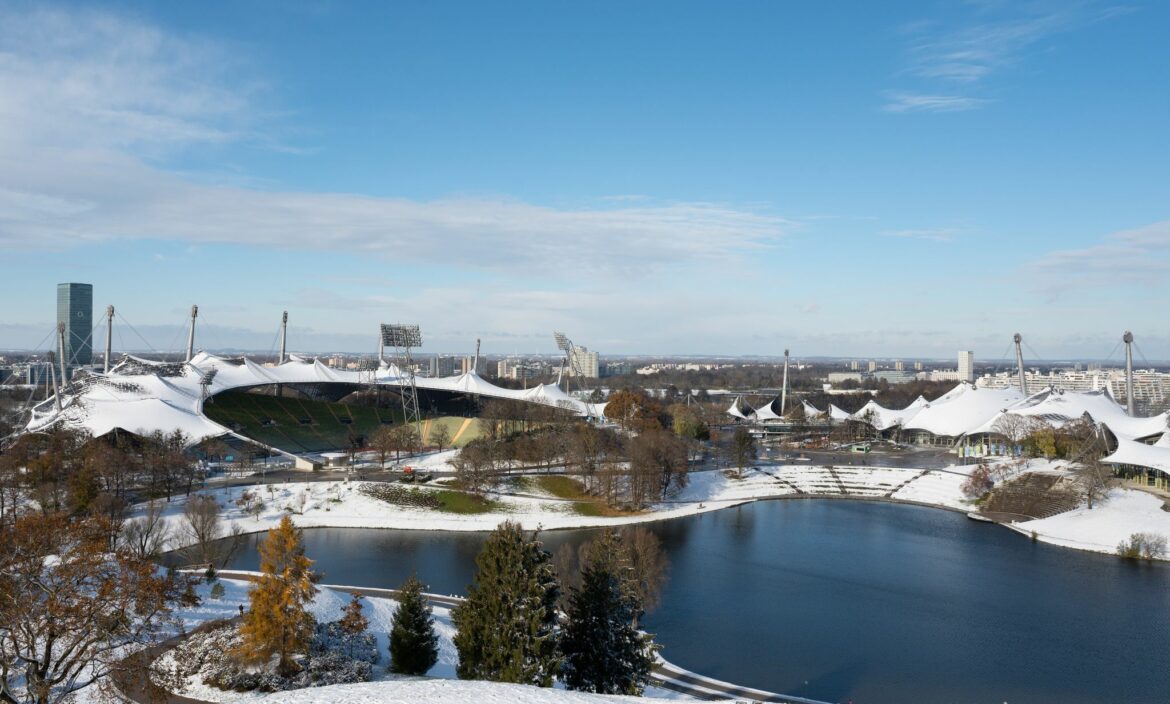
[837, 413]
[734, 410]
[766, 412]
[1156, 456]
[884, 418]
[810, 411]
[1059, 408]
[961, 410]
[142, 396]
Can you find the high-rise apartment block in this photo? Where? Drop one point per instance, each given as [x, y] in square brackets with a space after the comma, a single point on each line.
[967, 366]
[75, 309]
[588, 362]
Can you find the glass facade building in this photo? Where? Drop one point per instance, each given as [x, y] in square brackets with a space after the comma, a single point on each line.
[75, 309]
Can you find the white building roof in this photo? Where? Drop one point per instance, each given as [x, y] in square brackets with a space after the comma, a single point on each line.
[142, 396]
[884, 418]
[734, 410]
[1156, 456]
[766, 412]
[961, 410]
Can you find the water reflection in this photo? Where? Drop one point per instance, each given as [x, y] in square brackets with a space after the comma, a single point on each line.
[842, 600]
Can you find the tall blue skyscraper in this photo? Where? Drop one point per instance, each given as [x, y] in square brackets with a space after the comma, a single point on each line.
[75, 309]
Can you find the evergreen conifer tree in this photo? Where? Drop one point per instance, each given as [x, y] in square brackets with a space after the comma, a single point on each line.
[414, 647]
[603, 649]
[277, 622]
[507, 628]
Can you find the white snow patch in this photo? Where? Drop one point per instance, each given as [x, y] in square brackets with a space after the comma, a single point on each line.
[1123, 513]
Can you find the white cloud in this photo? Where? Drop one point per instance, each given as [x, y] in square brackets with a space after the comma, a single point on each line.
[1138, 257]
[915, 102]
[93, 105]
[997, 37]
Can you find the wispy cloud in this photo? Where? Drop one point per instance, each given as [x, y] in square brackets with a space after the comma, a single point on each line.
[994, 37]
[1138, 257]
[914, 102]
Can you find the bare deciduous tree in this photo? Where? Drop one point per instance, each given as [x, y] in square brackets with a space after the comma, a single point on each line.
[146, 537]
[203, 529]
[1094, 479]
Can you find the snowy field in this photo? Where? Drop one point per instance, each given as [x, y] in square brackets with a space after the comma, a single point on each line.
[1124, 512]
[440, 684]
[339, 504]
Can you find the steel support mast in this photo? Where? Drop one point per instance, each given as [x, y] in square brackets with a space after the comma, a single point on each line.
[109, 337]
[61, 348]
[784, 387]
[1020, 363]
[1127, 338]
[283, 337]
[191, 333]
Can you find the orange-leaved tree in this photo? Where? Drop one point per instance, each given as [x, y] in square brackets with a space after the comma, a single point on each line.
[277, 622]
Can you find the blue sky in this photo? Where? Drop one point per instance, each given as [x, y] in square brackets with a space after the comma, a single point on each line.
[869, 179]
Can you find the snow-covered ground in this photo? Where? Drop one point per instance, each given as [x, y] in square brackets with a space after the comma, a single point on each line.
[339, 504]
[441, 692]
[1123, 513]
[387, 687]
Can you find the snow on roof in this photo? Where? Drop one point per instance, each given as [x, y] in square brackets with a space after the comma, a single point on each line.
[766, 412]
[962, 409]
[810, 411]
[837, 413]
[1059, 408]
[142, 396]
[884, 418]
[734, 410]
[1156, 456]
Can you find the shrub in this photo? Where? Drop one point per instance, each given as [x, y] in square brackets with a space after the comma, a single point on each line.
[400, 496]
[1142, 546]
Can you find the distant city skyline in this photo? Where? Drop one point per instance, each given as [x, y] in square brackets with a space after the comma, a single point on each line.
[871, 180]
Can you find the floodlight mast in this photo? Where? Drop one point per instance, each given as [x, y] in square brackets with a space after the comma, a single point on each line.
[566, 345]
[403, 338]
[205, 381]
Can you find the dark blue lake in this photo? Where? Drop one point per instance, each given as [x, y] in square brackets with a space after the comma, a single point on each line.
[842, 600]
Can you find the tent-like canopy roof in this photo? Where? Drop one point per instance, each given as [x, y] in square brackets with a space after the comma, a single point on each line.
[884, 418]
[142, 396]
[766, 412]
[961, 410]
[1156, 456]
[734, 410]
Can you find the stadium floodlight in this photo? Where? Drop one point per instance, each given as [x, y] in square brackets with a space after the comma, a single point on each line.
[401, 336]
[208, 377]
[367, 364]
[563, 343]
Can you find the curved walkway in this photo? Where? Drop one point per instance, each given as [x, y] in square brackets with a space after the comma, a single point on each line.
[133, 681]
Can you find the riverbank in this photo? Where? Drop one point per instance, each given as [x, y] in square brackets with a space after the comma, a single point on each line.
[341, 504]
